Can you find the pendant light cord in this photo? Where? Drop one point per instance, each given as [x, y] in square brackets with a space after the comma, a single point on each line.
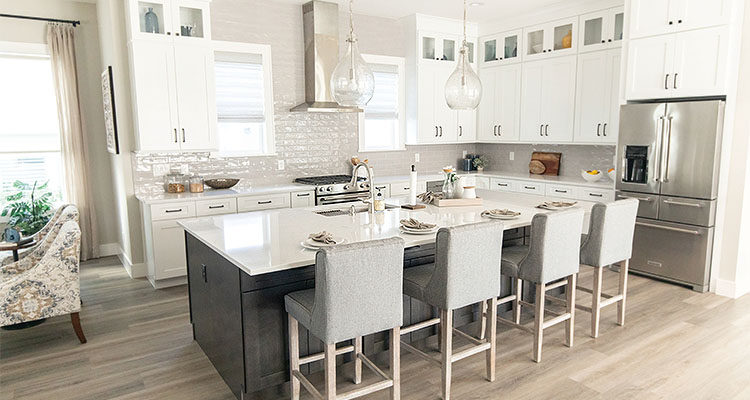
[351, 20]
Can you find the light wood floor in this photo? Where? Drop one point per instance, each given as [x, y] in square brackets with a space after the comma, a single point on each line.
[677, 344]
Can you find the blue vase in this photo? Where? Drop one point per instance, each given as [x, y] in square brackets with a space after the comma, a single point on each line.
[151, 21]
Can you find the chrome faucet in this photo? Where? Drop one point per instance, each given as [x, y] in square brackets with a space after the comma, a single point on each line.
[369, 182]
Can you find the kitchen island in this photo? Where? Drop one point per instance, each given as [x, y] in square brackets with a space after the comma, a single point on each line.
[240, 267]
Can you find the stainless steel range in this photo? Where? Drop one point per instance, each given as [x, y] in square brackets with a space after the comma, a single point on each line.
[337, 189]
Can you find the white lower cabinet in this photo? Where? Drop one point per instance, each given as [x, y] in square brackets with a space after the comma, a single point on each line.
[303, 199]
[482, 182]
[503, 185]
[530, 188]
[168, 251]
[205, 208]
[265, 202]
[567, 192]
[597, 195]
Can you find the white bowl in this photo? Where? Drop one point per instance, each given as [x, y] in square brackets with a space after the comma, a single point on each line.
[591, 178]
[612, 174]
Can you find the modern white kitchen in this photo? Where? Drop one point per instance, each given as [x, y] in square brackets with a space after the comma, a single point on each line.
[254, 199]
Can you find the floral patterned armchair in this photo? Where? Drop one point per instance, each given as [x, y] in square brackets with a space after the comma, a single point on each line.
[46, 235]
[35, 288]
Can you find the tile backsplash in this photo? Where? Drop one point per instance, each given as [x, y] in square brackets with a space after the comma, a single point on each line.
[574, 157]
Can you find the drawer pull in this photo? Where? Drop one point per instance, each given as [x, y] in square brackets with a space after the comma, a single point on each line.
[502, 184]
[530, 187]
[173, 211]
[407, 188]
[303, 194]
[215, 207]
[596, 195]
[265, 202]
[560, 191]
[669, 228]
[680, 203]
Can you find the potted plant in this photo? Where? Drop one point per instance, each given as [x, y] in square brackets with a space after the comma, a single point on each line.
[28, 214]
[480, 162]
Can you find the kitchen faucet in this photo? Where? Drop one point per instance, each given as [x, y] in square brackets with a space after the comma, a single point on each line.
[370, 183]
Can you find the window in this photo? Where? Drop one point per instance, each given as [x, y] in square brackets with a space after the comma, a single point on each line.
[29, 132]
[382, 126]
[244, 99]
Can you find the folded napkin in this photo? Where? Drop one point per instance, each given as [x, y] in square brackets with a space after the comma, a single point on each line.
[412, 223]
[322, 237]
[429, 197]
[504, 212]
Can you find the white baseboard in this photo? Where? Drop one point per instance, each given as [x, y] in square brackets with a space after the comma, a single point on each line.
[109, 249]
[134, 270]
[730, 289]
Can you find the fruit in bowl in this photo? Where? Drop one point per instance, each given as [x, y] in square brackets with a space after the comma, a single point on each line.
[591, 176]
[611, 173]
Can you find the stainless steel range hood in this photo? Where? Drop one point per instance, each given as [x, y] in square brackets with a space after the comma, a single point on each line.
[321, 30]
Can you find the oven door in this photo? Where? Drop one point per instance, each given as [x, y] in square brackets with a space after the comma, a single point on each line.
[342, 198]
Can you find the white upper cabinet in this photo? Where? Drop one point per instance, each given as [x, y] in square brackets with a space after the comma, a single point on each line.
[499, 111]
[466, 130]
[601, 30]
[194, 82]
[657, 17]
[548, 100]
[597, 97]
[169, 19]
[437, 122]
[685, 64]
[553, 38]
[503, 48]
[443, 49]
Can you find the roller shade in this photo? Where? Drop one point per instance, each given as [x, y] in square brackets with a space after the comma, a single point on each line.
[239, 92]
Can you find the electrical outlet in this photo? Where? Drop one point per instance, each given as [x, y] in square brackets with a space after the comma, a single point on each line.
[160, 169]
[464, 154]
[512, 156]
[185, 169]
[416, 157]
[281, 165]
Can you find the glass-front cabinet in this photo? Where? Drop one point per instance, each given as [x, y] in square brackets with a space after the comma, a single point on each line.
[602, 29]
[439, 48]
[558, 38]
[501, 49]
[165, 19]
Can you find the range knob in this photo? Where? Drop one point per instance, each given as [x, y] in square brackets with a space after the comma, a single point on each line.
[364, 185]
[329, 189]
[347, 186]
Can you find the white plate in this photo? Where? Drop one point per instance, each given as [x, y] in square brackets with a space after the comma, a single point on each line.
[317, 245]
[432, 232]
[503, 217]
[419, 230]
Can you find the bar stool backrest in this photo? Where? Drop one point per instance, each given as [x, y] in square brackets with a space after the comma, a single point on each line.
[358, 289]
[467, 265]
[554, 246]
[610, 237]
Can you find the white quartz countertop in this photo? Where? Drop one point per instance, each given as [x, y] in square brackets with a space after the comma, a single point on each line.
[224, 193]
[603, 183]
[269, 241]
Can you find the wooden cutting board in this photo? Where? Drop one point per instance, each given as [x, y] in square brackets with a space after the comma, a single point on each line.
[551, 163]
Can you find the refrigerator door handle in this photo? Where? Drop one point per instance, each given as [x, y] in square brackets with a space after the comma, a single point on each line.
[668, 143]
[659, 147]
[669, 228]
[622, 196]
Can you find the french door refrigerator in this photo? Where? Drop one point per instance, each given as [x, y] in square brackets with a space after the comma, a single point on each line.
[669, 160]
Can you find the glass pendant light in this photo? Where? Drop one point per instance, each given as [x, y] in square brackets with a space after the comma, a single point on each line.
[352, 81]
[463, 89]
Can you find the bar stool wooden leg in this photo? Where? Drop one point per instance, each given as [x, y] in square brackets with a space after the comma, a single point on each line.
[395, 355]
[624, 266]
[491, 332]
[293, 357]
[570, 306]
[357, 360]
[330, 371]
[596, 299]
[483, 312]
[517, 302]
[446, 349]
[539, 322]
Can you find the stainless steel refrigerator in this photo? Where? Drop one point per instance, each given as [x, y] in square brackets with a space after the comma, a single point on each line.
[669, 160]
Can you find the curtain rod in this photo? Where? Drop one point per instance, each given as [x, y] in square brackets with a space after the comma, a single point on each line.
[64, 21]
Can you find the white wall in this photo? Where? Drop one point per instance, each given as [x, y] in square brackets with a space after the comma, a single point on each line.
[87, 58]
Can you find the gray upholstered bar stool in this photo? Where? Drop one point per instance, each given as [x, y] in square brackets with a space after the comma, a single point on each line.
[466, 271]
[358, 291]
[550, 261]
[609, 241]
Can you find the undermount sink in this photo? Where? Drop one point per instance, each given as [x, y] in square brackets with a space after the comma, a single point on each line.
[334, 212]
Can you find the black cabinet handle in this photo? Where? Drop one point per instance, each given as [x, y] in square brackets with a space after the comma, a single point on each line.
[598, 127]
[303, 194]
[609, 40]
[604, 131]
[603, 41]
[596, 194]
[560, 191]
[670, 22]
[183, 135]
[541, 129]
[436, 131]
[265, 202]
[441, 131]
[173, 211]
[460, 130]
[175, 135]
[502, 184]
[215, 207]
[530, 187]
[499, 130]
[203, 273]
[546, 130]
[675, 80]
[679, 21]
[666, 82]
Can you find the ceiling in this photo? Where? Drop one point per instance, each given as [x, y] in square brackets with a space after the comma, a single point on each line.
[490, 10]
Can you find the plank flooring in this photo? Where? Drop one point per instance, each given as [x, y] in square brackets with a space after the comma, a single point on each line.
[677, 344]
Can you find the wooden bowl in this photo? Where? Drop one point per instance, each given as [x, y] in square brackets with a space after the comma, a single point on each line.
[221, 183]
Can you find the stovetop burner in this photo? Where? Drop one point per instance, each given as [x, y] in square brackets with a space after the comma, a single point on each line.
[325, 180]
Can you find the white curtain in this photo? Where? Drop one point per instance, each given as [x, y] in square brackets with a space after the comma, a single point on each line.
[61, 42]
